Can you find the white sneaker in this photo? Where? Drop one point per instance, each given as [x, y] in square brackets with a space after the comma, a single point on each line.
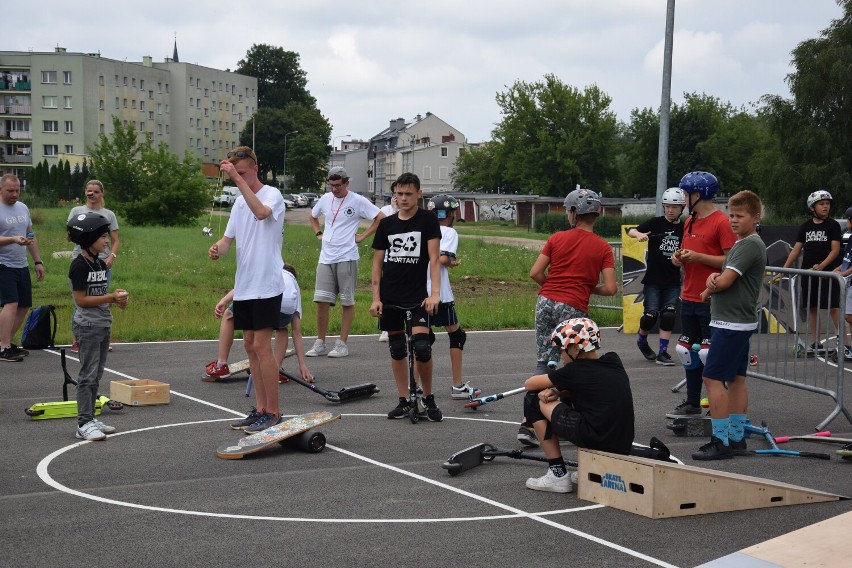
[317, 349]
[575, 477]
[463, 392]
[551, 483]
[105, 428]
[89, 431]
[383, 338]
[340, 350]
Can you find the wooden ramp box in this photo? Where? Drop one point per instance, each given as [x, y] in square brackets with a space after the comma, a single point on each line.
[660, 490]
[142, 392]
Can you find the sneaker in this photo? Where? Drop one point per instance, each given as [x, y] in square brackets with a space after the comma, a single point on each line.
[575, 477]
[75, 347]
[551, 483]
[646, 350]
[214, 372]
[526, 436]
[317, 349]
[340, 350]
[10, 356]
[282, 378]
[814, 349]
[684, 409]
[265, 421]
[105, 428]
[715, 449]
[464, 392]
[252, 417]
[19, 350]
[90, 431]
[383, 338]
[663, 358]
[401, 410]
[847, 353]
[739, 448]
[433, 413]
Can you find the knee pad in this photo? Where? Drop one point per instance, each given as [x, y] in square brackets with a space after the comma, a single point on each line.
[667, 318]
[457, 339]
[702, 352]
[648, 320]
[431, 337]
[398, 348]
[422, 347]
[532, 411]
[688, 357]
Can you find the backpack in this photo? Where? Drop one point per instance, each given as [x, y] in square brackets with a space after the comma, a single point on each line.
[38, 332]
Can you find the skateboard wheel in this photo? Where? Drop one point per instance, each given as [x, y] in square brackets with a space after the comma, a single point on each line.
[311, 442]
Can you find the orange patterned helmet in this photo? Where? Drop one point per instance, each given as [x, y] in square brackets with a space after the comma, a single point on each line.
[582, 332]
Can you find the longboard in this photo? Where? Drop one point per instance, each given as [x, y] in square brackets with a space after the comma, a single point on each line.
[296, 428]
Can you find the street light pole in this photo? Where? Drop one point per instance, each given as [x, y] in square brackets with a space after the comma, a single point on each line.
[285, 152]
[333, 148]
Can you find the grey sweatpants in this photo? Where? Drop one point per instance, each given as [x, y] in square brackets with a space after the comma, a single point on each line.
[94, 346]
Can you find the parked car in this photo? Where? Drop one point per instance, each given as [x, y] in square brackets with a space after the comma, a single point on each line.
[312, 198]
[289, 201]
[227, 197]
[301, 200]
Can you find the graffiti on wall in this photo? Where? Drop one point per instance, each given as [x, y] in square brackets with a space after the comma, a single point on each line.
[497, 211]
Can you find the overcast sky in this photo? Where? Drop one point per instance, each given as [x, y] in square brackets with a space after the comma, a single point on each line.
[371, 61]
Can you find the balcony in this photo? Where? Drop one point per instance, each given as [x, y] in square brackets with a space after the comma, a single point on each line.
[16, 109]
[15, 159]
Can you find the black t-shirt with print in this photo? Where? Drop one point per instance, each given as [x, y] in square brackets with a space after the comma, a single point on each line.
[663, 241]
[600, 392]
[406, 262]
[816, 242]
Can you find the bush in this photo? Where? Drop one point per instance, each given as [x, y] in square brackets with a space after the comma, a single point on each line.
[551, 223]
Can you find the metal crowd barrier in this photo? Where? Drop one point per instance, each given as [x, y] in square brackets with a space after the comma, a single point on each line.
[612, 302]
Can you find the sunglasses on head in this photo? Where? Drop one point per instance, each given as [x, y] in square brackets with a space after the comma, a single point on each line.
[241, 154]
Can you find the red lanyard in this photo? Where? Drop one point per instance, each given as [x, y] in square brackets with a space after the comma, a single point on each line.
[333, 219]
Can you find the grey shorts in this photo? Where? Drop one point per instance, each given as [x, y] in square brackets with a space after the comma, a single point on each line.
[336, 279]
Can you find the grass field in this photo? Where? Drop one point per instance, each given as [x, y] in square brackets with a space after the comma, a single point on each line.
[174, 286]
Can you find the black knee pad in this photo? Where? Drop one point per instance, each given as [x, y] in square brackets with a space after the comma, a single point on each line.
[532, 412]
[667, 318]
[648, 320]
[422, 347]
[397, 346]
[457, 339]
[431, 337]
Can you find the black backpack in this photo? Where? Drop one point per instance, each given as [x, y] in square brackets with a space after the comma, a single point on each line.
[40, 328]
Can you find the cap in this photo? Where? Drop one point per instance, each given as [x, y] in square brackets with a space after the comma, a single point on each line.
[337, 172]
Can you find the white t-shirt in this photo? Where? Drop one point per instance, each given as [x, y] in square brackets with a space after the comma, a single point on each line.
[342, 217]
[291, 302]
[450, 244]
[258, 245]
[388, 210]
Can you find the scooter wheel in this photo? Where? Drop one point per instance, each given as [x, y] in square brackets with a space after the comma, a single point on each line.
[413, 416]
[452, 468]
[31, 412]
[115, 405]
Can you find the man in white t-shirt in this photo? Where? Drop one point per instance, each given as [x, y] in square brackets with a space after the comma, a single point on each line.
[256, 224]
[337, 270]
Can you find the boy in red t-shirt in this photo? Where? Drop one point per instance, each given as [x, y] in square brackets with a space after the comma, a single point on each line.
[707, 238]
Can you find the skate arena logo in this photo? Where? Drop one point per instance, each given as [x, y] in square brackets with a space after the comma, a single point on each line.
[613, 481]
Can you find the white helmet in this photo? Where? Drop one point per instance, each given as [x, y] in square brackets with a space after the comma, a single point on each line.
[673, 196]
[819, 195]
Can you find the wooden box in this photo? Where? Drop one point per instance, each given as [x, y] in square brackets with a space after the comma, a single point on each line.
[142, 392]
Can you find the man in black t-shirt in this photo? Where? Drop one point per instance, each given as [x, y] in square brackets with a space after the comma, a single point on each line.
[661, 282]
[587, 402]
[407, 246]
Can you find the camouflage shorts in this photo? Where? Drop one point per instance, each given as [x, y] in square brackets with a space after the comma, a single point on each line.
[549, 313]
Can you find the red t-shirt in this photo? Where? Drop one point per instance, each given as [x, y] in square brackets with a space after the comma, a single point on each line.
[710, 235]
[577, 258]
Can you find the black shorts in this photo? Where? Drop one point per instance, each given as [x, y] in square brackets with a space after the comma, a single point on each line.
[251, 315]
[563, 423]
[446, 315]
[393, 318]
[822, 293]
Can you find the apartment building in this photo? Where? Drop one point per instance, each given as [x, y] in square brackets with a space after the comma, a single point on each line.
[54, 105]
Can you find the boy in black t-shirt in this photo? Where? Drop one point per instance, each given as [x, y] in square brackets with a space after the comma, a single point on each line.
[407, 245]
[819, 240]
[587, 402]
[661, 289]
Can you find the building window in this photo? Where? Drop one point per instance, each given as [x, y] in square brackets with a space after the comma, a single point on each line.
[198, 83]
[133, 103]
[51, 149]
[191, 101]
[142, 105]
[443, 172]
[427, 172]
[167, 109]
[48, 77]
[48, 102]
[141, 127]
[101, 104]
[116, 81]
[66, 77]
[150, 115]
[133, 81]
[444, 152]
[117, 104]
[50, 126]
[125, 81]
[159, 108]
[191, 122]
[101, 80]
[101, 128]
[125, 103]
[69, 149]
[141, 84]
[167, 87]
[167, 129]
[151, 95]
[69, 127]
[159, 88]
[159, 130]
[67, 101]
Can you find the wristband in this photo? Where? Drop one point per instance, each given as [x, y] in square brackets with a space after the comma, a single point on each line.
[319, 233]
[112, 254]
[38, 262]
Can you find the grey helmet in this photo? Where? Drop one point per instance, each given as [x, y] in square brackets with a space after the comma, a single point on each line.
[583, 201]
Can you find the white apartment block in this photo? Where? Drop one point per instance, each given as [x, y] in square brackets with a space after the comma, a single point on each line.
[54, 105]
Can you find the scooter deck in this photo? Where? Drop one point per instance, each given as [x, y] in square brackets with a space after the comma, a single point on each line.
[61, 409]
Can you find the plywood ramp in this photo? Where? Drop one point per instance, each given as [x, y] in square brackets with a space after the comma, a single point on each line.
[661, 490]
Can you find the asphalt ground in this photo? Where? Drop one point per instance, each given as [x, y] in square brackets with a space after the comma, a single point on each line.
[157, 495]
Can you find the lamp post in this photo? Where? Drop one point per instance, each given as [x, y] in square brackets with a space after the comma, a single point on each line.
[285, 151]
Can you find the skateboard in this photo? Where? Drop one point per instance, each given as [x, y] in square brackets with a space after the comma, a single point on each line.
[67, 408]
[345, 394]
[238, 368]
[296, 431]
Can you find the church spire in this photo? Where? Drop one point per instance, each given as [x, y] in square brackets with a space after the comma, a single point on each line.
[175, 56]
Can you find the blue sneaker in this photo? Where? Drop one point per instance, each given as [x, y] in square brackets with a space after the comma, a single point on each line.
[252, 417]
[265, 421]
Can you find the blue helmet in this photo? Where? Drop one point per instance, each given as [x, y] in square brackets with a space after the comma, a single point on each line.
[704, 183]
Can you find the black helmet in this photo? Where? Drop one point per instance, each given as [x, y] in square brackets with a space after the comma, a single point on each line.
[86, 228]
[848, 214]
[443, 203]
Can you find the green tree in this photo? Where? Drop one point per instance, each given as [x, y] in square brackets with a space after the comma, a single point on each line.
[480, 170]
[280, 78]
[307, 156]
[814, 127]
[114, 161]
